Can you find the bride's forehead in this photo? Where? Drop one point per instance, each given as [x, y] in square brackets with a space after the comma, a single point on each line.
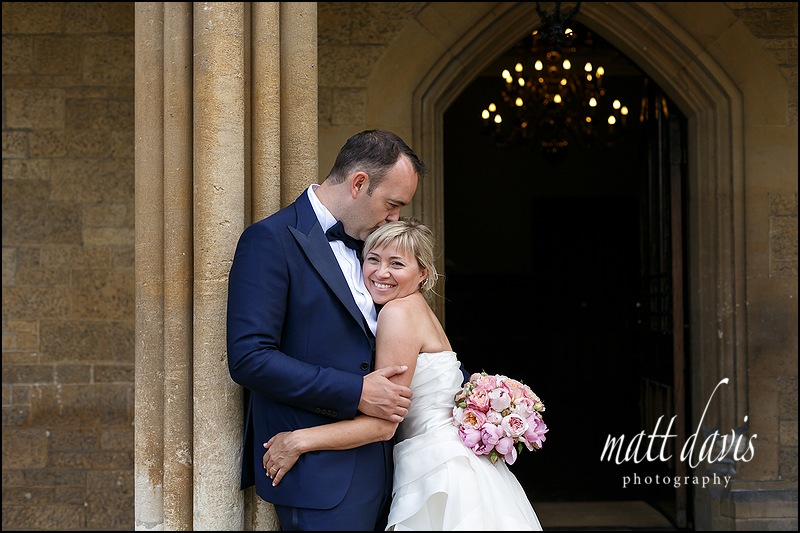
[392, 247]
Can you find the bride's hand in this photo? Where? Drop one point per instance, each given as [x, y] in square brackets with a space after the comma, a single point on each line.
[280, 456]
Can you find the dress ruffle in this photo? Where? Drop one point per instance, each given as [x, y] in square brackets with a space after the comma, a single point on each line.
[439, 484]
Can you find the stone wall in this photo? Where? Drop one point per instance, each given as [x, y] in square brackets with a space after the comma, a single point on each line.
[68, 240]
[68, 285]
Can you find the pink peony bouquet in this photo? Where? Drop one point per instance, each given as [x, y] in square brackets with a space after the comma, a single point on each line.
[497, 415]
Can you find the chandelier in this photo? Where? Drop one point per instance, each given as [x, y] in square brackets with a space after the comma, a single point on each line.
[551, 98]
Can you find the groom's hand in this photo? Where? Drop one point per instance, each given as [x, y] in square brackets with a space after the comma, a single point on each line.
[383, 398]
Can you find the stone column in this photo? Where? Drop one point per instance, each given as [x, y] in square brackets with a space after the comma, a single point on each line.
[149, 267]
[266, 144]
[299, 89]
[220, 102]
[178, 269]
[226, 133]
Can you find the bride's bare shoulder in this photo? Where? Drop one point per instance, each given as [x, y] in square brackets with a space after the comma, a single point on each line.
[403, 308]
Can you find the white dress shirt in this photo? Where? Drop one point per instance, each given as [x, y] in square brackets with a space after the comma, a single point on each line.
[348, 261]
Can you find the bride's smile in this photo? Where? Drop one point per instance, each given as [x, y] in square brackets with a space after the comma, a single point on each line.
[392, 273]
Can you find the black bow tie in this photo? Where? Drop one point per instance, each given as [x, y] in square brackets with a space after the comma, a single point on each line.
[336, 233]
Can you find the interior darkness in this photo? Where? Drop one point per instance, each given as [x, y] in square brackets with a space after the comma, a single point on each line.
[541, 280]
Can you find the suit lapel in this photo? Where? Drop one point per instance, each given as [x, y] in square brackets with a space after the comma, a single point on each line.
[318, 251]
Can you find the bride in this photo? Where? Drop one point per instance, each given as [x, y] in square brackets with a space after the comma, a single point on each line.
[439, 484]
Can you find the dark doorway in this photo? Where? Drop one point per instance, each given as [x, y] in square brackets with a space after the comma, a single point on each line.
[542, 279]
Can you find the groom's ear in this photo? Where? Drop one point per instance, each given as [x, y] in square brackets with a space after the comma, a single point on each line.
[360, 182]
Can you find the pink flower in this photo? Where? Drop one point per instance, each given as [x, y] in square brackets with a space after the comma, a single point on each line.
[479, 399]
[481, 448]
[506, 448]
[537, 402]
[496, 416]
[514, 425]
[485, 381]
[524, 406]
[469, 418]
[500, 400]
[491, 433]
[470, 437]
[515, 388]
[536, 430]
[475, 377]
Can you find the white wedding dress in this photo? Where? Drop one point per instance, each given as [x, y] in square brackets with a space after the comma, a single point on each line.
[439, 484]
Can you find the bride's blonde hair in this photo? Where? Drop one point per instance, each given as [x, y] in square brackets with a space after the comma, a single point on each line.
[412, 236]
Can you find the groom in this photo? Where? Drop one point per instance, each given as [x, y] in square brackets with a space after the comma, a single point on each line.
[301, 336]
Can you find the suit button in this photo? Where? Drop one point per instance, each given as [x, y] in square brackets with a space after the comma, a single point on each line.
[364, 366]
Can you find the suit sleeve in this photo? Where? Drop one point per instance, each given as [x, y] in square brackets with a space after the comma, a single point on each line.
[258, 296]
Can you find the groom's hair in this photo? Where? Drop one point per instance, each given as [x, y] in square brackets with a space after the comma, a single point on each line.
[374, 152]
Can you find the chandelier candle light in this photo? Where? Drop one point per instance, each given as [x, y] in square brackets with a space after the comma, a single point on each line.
[548, 100]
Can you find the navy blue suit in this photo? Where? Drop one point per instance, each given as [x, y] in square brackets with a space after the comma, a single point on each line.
[299, 345]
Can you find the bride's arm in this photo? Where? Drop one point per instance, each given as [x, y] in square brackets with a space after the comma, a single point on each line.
[284, 449]
[394, 346]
